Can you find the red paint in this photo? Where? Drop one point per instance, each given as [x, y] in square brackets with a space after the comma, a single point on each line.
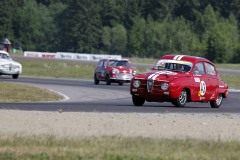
[202, 86]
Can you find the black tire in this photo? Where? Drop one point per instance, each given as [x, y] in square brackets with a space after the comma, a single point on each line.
[15, 76]
[96, 81]
[181, 100]
[108, 80]
[217, 103]
[120, 83]
[138, 101]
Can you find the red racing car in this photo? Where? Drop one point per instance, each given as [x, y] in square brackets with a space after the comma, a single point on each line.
[179, 79]
[114, 70]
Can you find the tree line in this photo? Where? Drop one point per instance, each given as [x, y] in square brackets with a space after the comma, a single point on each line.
[142, 28]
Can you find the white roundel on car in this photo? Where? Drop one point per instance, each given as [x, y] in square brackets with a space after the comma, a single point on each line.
[154, 75]
[203, 88]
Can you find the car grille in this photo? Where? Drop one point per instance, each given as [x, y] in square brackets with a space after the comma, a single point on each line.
[9, 67]
[149, 85]
[12, 66]
[124, 76]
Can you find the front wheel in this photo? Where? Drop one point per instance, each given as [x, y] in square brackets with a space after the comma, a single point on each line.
[15, 76]
[108, 80]
[181, 100]
[217, 103]
[138, 101]
[96, 81]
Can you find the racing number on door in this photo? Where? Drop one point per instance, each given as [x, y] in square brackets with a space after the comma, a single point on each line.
[203, 88]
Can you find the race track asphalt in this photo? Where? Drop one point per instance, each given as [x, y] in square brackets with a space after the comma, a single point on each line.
[84, 96]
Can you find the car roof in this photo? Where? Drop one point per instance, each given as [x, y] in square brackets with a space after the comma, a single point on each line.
[120, 59]
[193, 59]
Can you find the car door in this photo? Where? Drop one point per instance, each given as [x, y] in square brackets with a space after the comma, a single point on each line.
[100, 70]
[212, 80]
[199, 86]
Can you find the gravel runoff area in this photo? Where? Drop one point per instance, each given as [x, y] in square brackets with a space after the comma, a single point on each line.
[221, 126]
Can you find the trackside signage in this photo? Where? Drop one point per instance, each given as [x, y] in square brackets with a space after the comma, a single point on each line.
[68, 55]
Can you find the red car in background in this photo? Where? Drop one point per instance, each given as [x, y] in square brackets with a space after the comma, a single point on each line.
[114, 70]
[179, 79]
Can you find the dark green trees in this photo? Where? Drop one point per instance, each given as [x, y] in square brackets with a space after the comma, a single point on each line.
[127, 27]
[80, 26]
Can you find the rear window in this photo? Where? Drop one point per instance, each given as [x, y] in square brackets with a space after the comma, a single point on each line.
[210, 69]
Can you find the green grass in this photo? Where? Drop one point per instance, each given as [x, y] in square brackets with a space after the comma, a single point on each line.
[233, 81]
[115, 148]
[228, 66]
[151, 61]
[22, 93]
[56, 69]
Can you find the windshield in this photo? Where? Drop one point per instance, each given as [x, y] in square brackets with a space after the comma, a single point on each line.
[4, 56]
[118, 63]
[174, 65]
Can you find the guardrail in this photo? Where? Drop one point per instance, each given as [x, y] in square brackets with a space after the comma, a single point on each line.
[68, 55]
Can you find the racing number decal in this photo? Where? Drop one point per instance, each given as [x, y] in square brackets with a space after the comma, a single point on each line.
[203, 88]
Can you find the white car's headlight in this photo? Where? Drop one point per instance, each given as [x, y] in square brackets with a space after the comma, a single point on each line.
[136, 83]
[164, 86]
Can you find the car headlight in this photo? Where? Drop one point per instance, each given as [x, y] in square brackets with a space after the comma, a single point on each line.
[164, 86]
[114, 71]
[134, 72]
[136, 83]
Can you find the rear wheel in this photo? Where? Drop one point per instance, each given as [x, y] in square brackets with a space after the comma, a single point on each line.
[217, 103]
[108, 80]
[96, 81]
[15, 76]
[181, 100]
[138, 101]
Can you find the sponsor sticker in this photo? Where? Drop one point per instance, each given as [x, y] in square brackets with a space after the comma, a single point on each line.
[197, 79]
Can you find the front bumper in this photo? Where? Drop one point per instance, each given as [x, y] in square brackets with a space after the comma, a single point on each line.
[9, 70]
[159, 96]
[122, 77]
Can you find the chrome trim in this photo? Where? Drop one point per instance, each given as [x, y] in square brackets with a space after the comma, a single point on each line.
[149, 85]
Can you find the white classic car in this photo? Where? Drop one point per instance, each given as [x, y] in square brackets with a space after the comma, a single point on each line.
[8, 66]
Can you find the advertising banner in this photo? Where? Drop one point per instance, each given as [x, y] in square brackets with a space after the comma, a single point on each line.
[68, 55]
